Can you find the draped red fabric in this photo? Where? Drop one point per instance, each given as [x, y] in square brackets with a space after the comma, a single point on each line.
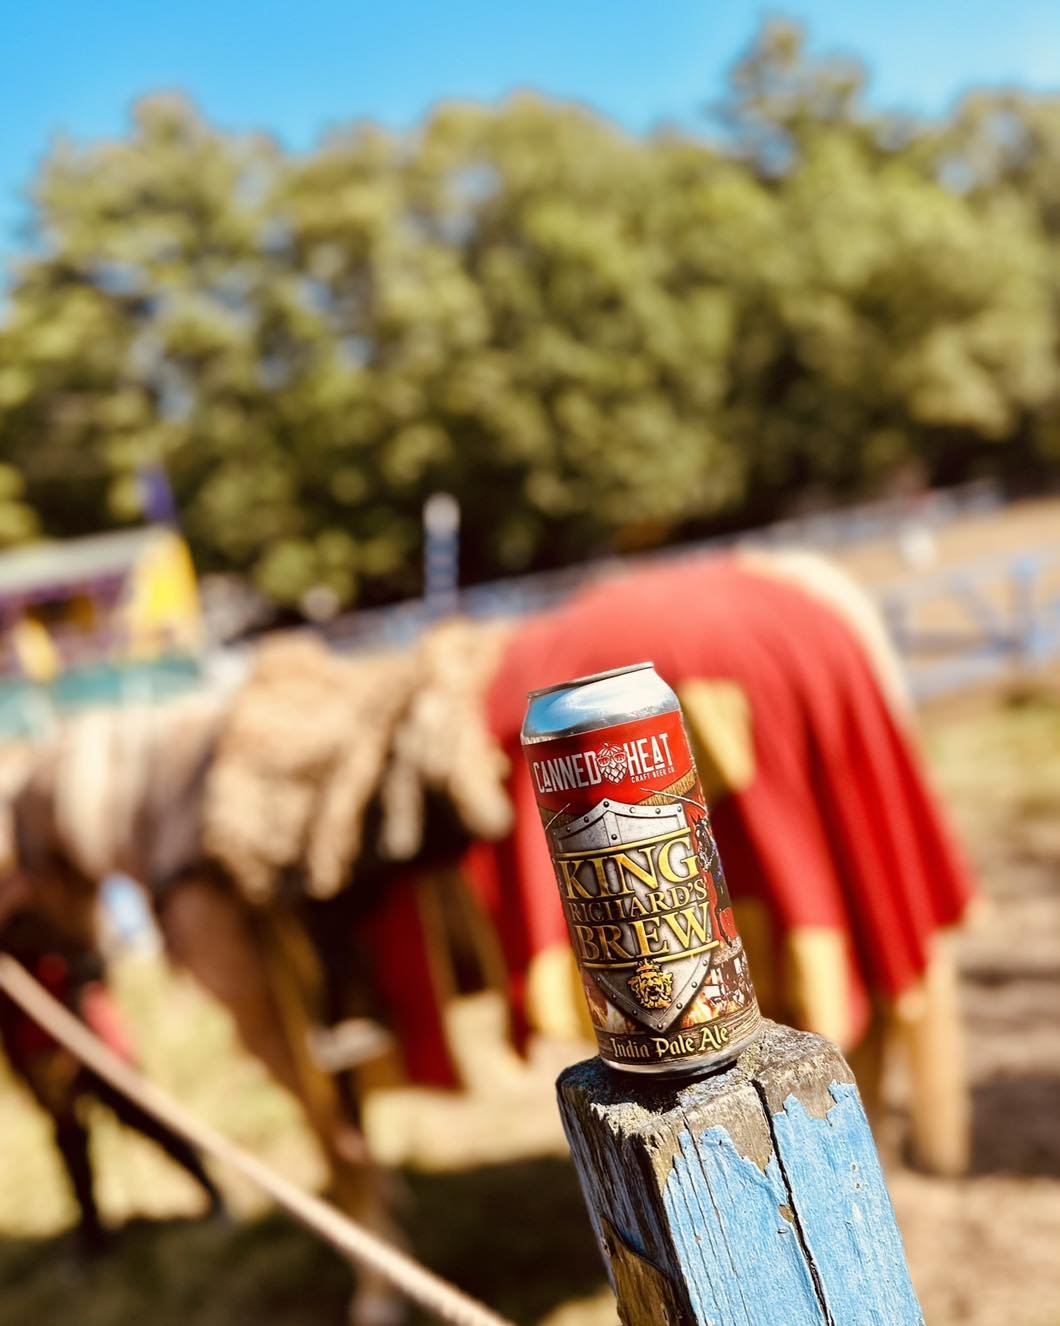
[837, 828]
[25, 1040]
[403, 974]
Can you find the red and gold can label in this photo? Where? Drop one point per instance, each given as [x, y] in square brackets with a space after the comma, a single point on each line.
[663, 967]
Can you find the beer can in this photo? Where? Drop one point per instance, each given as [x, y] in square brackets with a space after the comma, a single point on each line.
[663, 968]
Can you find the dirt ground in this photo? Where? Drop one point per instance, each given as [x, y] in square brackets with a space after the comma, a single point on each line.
[985, 597]
[1021, 528]
[986, 1249]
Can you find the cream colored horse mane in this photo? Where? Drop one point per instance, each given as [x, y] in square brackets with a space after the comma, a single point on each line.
[314, 737]
[829, 583]
[113, 771]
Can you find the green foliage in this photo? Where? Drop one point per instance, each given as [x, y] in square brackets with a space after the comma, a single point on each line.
[18, 522]
[593, 340]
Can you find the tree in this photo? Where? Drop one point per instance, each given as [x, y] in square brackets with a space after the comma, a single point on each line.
[901, 321]
[593, 340]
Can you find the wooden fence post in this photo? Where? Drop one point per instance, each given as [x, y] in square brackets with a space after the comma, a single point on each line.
[753, 1197]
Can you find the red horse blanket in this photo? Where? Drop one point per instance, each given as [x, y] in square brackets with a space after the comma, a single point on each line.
[836, 828]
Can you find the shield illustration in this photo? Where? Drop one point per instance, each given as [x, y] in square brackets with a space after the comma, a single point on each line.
[617, 846]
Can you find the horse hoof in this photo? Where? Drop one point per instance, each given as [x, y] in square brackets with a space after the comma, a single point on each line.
[376, 1307]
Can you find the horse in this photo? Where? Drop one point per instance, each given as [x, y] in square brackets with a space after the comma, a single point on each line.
[843, 872]
[339, 748]
[844, 875]
[121, 791]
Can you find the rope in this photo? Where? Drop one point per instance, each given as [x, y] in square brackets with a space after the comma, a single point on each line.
[423, 1287]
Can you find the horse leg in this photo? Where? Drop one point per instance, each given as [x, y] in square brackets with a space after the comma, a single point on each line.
[209, 934]
[55, 1081]
[929, 1020]
[295, 979]
[71, 1139]
[258, 971]
[134, 1117]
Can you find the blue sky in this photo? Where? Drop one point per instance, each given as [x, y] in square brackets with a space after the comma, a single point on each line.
[71, 66]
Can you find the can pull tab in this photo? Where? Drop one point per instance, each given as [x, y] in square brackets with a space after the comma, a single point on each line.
[645, 1294]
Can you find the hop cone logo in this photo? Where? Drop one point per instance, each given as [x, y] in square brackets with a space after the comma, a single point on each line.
[612, 761]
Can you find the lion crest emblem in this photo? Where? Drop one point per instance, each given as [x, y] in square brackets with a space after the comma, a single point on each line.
[651, 986]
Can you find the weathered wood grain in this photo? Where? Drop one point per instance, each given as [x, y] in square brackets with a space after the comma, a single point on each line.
[754, 1196]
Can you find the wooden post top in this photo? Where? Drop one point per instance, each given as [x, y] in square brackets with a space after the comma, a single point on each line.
[751, 1197]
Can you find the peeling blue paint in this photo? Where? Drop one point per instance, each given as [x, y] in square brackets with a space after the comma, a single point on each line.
[799, 1231]
[844, 1211]
[741, 1257]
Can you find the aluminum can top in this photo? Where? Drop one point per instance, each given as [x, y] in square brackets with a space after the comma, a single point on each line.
[598, 700]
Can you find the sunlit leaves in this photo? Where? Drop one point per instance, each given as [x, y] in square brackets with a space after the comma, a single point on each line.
[595, 341]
